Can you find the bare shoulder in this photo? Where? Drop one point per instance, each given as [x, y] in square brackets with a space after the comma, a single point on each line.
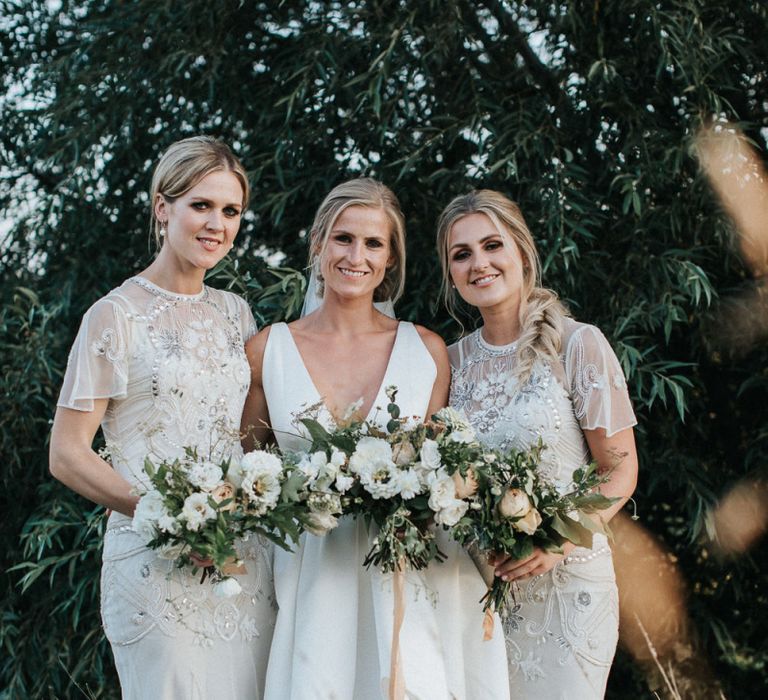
[255, 347]
[435, 344]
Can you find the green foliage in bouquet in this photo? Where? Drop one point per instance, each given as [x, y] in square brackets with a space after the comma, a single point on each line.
[514, 508]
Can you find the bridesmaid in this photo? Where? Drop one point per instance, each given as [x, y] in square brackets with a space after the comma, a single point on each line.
[159, 363]
[531, 372]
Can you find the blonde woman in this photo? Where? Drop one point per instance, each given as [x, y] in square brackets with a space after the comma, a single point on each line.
[334, 627]
[159, 363]
[529, 373]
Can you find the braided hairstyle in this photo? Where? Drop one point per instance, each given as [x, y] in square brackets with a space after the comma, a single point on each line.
[541, 312]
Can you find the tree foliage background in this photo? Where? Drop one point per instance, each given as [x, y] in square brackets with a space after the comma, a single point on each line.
[584, 112]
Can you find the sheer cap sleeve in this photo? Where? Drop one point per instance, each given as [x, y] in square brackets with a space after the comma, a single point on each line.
[98, 361]
[598, 387]
[247, 321]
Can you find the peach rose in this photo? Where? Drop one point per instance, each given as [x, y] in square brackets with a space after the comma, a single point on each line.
[515, 504]
[224, 492]
[466, 486]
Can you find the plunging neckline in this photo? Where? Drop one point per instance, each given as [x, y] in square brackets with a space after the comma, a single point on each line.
[321, 398]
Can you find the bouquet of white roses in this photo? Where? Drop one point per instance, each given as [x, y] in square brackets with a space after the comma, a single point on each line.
[395, 479]
[195, 506]
[512, 509]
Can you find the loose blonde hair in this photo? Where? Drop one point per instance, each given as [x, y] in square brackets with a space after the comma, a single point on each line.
[184, 164]
[541, 312]
[363, 192]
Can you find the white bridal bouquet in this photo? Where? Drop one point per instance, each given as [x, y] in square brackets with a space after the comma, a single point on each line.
[398, 479]
[197, 506]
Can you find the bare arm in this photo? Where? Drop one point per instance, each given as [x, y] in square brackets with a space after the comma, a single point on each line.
[76, 465]
[253, 426]
[616, 456]
[437, 349]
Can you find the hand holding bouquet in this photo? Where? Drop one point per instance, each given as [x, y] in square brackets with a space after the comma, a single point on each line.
[197, 507]
[515, 509]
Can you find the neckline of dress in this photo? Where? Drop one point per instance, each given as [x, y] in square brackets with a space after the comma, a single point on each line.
[144, 283]
[496, 349]
[382, 384]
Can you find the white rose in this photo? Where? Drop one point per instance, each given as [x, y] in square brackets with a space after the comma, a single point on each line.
[205, 475]
[261, 462]
[442, 493]
[227, 587]
[338, 458]
[466, 486]
[452, 513]
[344, 483]
[514, 504]
[147, 514]
[196, 511]
[403, 453]
[529, 523]
[370, 450]
[410, 486]
[167, 523]
[262, 490]
[430, 455]
[464, 437]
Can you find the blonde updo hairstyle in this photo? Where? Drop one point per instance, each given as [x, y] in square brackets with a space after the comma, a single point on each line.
[362, 192]
[184, 164]
[541, 312]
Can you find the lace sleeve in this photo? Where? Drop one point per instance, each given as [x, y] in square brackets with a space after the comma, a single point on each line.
[98, 361]
[247, 321]
[598, 388]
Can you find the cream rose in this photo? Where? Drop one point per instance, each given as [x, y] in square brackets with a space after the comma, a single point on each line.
[529, 523]
[466, 486]
[403, 453]
[515, 504]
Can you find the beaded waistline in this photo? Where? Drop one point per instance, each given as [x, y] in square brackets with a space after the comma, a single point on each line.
[575, 559]
[119, 529]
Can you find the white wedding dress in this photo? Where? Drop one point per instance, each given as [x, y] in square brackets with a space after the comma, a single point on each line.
[562, 633]
[174, 370]
[334, 627]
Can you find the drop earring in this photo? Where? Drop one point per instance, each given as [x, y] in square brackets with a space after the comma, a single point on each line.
[163, 230]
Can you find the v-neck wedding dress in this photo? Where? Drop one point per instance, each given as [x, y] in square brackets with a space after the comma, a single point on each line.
[334, 627]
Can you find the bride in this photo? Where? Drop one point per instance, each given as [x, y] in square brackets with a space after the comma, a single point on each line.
[334, 628]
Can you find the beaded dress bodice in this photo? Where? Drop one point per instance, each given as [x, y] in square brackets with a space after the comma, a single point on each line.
[585, 390]
[173, 366]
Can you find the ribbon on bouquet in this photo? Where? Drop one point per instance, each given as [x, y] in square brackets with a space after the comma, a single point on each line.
[233, 566]
[396, 680]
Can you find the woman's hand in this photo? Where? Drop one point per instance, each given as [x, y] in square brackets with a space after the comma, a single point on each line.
[199, 562]
[509, 569]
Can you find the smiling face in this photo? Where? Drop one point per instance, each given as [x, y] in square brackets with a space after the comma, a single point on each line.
[485, 265]
[357, 252]
[201, 223]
